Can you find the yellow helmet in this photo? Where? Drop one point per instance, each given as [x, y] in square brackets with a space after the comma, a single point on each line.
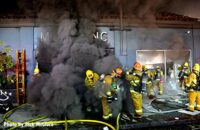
[89, 73]
[36, 70]
[144, 67]
[158, 67]
[108, 80]
[185, 64]
[196, 67]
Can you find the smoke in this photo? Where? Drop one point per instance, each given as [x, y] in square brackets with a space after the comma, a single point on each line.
[141, 9]
[185, 7]
[71, 50]
[156, 38]
[64, 59]
[106, 64]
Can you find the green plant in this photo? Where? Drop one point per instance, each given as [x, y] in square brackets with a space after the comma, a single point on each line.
[6, 60]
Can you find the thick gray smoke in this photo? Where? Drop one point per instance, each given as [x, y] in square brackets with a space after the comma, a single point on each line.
[63, 61]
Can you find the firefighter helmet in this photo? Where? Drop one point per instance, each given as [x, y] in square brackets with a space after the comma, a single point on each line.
[89, 74]
[36, 71]
[137, 66]
[108, 80]
[118, 71]
[185, 64]
[196, 67]
[158, 67]
[144, 67]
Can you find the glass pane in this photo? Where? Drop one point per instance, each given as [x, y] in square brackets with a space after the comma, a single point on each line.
[169, 61]
[174, 59]
[151, 58]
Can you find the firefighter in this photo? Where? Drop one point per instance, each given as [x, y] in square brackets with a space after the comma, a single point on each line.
[158, 79]
[110, 83]
[36, 72]
[135, 80]
[106, 97]
[117, 82]
[147, 81]
[90, 81]
[116, 75]
[193, 85]
[183, 74]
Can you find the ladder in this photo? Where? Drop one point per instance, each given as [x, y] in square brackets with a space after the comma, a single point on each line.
[20, 73]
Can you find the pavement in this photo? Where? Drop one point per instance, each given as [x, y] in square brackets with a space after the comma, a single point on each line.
[168, 111]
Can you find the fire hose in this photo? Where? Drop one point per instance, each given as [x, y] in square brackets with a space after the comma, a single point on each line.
[56, 122]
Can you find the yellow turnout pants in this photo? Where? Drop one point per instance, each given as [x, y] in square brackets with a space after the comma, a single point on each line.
[106, 108]
[137, 102]
[194, 97]
[149, 87]
[159, 84]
